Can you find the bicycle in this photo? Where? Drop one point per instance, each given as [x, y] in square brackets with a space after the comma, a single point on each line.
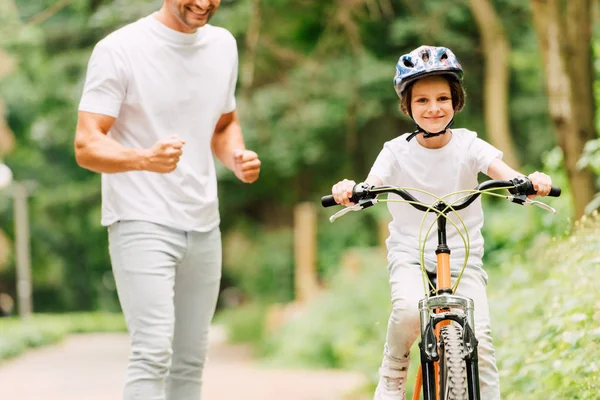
[448, 346]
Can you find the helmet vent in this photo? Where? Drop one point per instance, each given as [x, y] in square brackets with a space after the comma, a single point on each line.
[425, 56]
[444, 56]
[409, 64]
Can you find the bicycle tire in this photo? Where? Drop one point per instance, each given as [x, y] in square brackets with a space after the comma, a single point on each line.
[452, 368]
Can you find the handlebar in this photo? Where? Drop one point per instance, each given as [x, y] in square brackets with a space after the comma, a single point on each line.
[519, 188]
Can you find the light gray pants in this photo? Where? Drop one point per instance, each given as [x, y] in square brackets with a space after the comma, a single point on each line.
[168, 283]
[407, 288]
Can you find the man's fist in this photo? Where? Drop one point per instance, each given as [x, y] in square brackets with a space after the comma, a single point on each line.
[246, 165]
[164, 155]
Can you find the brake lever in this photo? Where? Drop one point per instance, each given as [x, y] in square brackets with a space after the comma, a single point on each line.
[541, 205]
[526, 201]
[362, 204]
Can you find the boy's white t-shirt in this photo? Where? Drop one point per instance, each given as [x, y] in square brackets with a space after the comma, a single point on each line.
[451, 168]
[159, 82]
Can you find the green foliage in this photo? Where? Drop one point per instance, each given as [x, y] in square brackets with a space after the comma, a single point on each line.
[315, 100]
[333, 239]
[591, 159]
[16, 336]
[245, 324]
[548, 341]
[591, 156]
[510, 229]
[261, 263]
[344, 327]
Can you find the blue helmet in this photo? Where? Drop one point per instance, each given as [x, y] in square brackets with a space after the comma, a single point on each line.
[424, 61]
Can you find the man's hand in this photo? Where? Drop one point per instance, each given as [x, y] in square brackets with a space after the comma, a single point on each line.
[164, 155]
[246, 165]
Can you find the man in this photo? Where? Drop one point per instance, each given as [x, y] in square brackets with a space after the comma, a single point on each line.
[158, 97]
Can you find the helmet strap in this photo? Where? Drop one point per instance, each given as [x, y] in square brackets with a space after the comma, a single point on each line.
[426, 134]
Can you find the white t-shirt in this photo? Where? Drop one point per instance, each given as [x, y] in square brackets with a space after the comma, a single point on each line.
[159, 82]
[441, 171]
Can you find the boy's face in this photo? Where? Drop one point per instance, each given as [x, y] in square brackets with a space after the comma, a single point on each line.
[431, 103]
[189, 15]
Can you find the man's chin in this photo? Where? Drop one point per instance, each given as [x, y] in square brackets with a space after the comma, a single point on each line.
[194, 24]
[197, 20]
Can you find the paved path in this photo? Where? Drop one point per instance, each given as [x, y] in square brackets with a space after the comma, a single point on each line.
[91, 367]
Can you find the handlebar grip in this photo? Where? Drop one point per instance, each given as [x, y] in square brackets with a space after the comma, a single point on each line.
[328, 201]
[524, 185]
[555, 191]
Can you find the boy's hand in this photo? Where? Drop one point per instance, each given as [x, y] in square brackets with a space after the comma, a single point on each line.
[342, 191]
[542, 183]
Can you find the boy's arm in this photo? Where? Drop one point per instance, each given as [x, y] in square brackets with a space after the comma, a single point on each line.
[374, 180]
[499, 170]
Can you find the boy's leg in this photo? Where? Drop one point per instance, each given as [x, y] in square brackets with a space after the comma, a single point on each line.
[144, 256]
[407, 290]
[473, 284]
[196, 292]
[403, 328]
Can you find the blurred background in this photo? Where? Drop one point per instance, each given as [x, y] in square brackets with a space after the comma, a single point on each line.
[316, 102]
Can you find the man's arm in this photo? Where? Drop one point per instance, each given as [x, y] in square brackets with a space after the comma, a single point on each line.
[95, 151]
[228, 146]
[226, 138]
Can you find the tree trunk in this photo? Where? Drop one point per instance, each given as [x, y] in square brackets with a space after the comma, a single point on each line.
[9, 17]
[7, 139]
[496, 50]
[8, 13]
[252, 37]
[565, 39]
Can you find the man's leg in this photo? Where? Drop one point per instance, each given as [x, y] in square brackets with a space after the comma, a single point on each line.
[196, 292]
[144, 256]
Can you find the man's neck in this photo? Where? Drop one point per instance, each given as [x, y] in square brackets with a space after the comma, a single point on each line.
[171, 21]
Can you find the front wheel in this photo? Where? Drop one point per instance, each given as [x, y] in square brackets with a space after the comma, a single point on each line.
[453, 383]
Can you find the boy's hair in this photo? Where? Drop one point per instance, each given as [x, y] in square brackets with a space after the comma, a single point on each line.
[457, 92]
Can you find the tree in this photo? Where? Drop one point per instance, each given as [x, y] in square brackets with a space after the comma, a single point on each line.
[8, 13]
[496, 49]
[7, 138]
[564, 35]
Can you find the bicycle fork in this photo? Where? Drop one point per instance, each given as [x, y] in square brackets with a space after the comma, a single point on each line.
[430, 322]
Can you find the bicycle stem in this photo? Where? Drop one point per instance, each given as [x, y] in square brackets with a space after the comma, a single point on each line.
[444, 284]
